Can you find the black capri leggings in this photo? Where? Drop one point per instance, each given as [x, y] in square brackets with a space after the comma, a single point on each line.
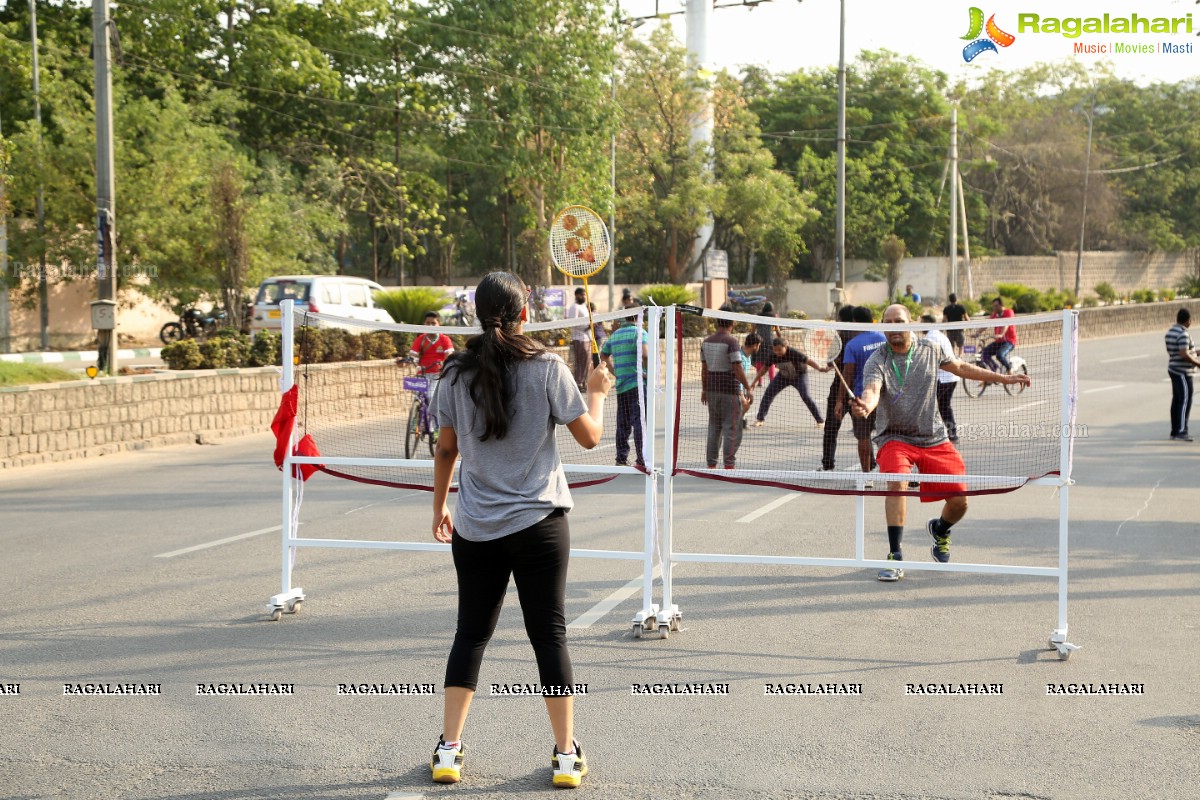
[537, 559]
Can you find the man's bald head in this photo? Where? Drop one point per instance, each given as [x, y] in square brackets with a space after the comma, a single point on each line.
[896, 313]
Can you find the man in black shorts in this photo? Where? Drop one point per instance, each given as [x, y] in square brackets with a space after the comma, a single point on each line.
[955, 312]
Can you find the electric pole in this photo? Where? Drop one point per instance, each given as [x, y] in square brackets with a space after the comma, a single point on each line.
[954, 200]
[839, 255]
[43, 287]
[106, 209]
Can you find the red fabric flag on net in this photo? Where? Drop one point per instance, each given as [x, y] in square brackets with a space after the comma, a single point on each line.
[282, 426]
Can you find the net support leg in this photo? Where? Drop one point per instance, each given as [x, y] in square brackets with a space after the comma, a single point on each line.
[1058, 638]
[646, 619]
[289, 598]
[860, 527]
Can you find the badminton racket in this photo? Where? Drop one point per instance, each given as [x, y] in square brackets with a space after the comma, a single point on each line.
[579, 248]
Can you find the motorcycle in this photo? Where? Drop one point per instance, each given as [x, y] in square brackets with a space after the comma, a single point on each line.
[193, 324]
[745, 302]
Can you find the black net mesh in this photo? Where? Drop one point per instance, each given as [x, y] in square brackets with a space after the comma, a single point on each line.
[358, 399]
[791, 437]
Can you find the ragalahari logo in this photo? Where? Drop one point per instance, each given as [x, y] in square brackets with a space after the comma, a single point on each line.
[994, 37]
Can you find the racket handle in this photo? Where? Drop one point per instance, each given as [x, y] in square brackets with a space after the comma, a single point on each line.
[595, 360]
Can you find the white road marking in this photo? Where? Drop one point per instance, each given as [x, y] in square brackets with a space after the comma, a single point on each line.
[1027, 405]
[218, 542]
[381, 502]
[1105, 388]
[769, 507]
[1124, 358]
[403, 796]
[612, 601]
[1144, 506]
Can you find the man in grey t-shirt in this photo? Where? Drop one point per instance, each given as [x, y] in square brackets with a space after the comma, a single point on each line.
[900, 380]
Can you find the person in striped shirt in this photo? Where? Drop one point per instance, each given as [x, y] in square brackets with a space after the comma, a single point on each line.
[1183, 362]
[621, 352]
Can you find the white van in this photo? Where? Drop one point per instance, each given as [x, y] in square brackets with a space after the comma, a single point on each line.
[339, 295]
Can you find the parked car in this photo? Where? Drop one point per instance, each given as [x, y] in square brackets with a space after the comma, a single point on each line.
[338, 295]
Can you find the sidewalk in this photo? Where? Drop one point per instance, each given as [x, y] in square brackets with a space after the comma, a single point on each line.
[80, 358]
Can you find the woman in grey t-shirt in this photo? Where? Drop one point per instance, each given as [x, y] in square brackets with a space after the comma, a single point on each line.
[498, 405]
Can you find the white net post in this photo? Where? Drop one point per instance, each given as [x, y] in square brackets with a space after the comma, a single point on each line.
[672, 379]
[287, 597]
[649, 388]
[1070, 394]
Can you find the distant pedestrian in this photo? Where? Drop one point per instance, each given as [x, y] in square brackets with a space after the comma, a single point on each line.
[955, 312]
[1183, 362]
[767, 331]
[723, 383]
[910, 295]
[581, 342]
[621, 352]
[793, 371]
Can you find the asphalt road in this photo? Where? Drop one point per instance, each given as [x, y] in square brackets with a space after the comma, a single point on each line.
[90, 598]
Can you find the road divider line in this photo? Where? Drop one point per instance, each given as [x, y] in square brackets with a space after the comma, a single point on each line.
[1104, 389]
[615, 599]
[1123, 358]
[769, 507]
[219, 542]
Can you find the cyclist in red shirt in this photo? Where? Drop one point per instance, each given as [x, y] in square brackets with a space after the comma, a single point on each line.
[1004, 340]
[430, 350]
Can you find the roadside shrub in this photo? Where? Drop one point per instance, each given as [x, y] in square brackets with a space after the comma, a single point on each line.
[1090, 301]
[1166, 295]
[183, 354]
[1105, 292]
[1142, 296]
[266, 350]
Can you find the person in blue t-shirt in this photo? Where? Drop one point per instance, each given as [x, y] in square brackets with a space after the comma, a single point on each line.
[621, 352]
[857, 351]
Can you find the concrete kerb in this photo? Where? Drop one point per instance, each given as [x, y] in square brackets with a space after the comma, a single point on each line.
[80, 357]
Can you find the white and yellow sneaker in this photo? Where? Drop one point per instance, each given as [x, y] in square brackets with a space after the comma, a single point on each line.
[568, 769]
[447, 762]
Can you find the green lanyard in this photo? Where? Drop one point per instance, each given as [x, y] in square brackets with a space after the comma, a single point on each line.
[907, 366]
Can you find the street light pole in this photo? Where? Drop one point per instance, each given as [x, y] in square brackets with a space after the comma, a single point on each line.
[612, 214]
[40, 202]
[1087, 169]
[839, 254]
[106, 209]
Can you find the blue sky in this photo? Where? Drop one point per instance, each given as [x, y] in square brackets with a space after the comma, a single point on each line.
[786, 35]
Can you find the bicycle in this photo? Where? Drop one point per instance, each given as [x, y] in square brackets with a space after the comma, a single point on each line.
[421, 424]
[973, 354]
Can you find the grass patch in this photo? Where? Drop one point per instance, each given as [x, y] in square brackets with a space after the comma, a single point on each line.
[12, 374]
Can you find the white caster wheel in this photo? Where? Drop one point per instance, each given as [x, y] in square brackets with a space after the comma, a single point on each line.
[1064, 654]
[664, 631]
[294, 606]
[1051, 644]
[676, 623]
[276, 614]
[637, 630]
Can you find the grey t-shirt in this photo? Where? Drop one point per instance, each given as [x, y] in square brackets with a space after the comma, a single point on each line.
[908, 395]
[506, 485]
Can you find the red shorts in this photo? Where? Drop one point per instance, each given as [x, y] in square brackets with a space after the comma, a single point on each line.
[943, 459]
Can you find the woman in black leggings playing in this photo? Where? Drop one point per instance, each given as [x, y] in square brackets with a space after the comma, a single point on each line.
[498, 405]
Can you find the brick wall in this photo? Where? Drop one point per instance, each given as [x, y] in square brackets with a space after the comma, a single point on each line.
[63, 421]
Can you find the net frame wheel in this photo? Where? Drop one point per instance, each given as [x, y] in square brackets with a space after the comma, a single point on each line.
[1015, 389]
[664, 631]
[412, 431]
[294, 606]
[276, 614]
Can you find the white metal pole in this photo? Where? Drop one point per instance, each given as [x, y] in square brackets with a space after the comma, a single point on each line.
[287, 379]
[654, 317]
[672, 370]
[1068, 394]
[697, 17]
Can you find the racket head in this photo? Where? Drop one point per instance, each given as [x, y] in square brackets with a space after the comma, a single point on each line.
[579, 242]
[822, 345]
